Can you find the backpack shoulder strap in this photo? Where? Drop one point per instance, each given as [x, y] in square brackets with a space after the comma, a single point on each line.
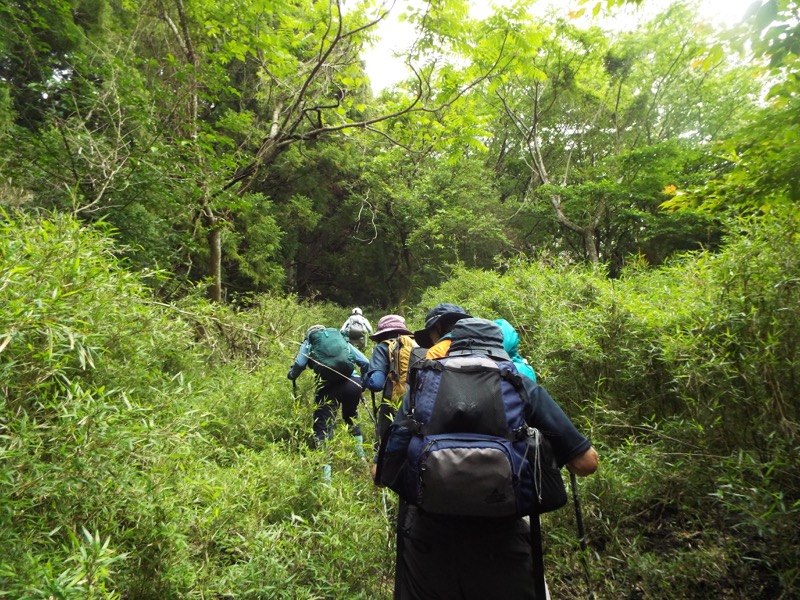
[395, 347]
[391, 344]
[413, 371]
[415, 358]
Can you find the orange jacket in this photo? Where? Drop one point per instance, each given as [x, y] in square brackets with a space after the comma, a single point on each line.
[439, 349]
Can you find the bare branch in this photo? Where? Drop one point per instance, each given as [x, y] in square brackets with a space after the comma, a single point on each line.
[366, 202]
[398, 143]
[286, 134]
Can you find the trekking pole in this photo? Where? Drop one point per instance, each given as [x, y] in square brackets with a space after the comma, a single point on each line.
[366, 408]
[581, 532]
[374, 413]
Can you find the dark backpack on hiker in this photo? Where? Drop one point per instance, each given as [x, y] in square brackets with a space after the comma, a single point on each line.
[329, 354]
[464, 449]
[467, 450]
[356, 331]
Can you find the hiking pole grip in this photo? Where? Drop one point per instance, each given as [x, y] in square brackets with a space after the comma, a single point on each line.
[581, 531]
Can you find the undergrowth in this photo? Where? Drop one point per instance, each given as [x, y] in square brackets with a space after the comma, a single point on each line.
[157, 450]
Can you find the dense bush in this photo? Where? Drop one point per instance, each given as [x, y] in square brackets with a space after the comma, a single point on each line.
[157, 451]
[154, 450]
[686, 379]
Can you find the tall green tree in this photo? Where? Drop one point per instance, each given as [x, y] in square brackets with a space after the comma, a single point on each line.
[185, 105]
[755, 165]
[578, 111]
[42, 44]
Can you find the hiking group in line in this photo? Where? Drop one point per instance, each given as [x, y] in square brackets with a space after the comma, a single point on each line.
[466, 437]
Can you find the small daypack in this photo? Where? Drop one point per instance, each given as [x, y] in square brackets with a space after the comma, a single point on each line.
[329, 354]
[356, 331]
[400, 357]
[466, 449]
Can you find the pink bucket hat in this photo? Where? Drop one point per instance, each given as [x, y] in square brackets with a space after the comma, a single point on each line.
[390, 326]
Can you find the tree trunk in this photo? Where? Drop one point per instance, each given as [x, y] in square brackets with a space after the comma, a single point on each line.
[590, 246]
[215, 262]
[587, 232]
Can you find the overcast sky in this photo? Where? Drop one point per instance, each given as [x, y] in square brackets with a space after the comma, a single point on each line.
[384, 70]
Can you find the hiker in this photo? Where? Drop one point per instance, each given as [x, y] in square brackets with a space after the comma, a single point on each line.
[388, 367]
[511, 345]
[334, 362]
[462, 545]
[355, 329]
[439, 322]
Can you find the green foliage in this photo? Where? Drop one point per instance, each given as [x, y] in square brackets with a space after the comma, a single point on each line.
[157, 451]
[41, 44]
[85, 358]
[755, 173]
[681, 376]
[590, 128]
[254, 248]
[177, 121]
[154, 448]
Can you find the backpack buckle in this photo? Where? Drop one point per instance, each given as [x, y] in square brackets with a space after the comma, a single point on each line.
[521, 433]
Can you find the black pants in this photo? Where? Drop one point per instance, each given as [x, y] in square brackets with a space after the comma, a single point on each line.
[329, 397]
[465, 559]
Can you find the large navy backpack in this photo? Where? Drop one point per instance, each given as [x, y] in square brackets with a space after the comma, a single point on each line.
[465, 448]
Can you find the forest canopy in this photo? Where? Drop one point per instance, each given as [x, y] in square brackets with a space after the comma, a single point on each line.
[241, 144]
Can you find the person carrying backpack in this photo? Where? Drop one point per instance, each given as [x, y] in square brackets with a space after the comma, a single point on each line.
[388, 368]
[474, 448]
[356, 328]
[439, 322]
[511, 345]
[333, 360]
